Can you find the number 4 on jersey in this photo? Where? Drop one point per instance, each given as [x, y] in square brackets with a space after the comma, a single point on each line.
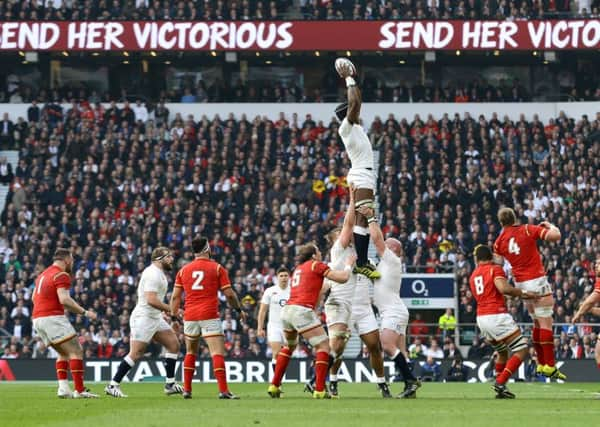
[513, 247]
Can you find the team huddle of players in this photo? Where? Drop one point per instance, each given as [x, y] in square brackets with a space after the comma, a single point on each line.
[291, 304]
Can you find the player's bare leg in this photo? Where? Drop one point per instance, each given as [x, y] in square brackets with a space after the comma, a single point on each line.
[363, 196]
[543, 309]
[71, 350]
[275, 349]
[189, 364]
[216, 346]
[283, 360]
[136, 352]
[505, 367]
[371, 340]
[169, 341]
[535, 338]
[317, 337]
[338, 338]
[389, 342]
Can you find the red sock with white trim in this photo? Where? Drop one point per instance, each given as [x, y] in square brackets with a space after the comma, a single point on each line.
[321, 367]
[283, 359]
[220, 373]
[62, 368]
[511, 367]
[189, 367]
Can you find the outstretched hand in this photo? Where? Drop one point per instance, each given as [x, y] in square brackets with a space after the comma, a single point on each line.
[366, 211]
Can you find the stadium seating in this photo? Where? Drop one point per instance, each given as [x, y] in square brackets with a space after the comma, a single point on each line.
[112, 190]
[136, 10]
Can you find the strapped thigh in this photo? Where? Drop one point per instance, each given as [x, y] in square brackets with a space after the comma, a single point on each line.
[518, 343]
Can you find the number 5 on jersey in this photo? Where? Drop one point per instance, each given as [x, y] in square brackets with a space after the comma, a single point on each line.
[198, 275]
[296, 278]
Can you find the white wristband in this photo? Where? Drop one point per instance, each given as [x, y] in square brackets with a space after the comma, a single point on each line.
[347, 268]
[350, 81]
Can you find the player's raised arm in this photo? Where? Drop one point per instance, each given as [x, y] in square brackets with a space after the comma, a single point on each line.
[342, 276]
[349, 221]
[374, 229]
[587, 305]
[552, 233]
[347, 71]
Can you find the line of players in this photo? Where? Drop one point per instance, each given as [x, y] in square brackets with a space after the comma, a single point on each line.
[201, 280]
[348, 304]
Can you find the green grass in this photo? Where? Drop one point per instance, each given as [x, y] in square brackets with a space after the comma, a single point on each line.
[438, 405]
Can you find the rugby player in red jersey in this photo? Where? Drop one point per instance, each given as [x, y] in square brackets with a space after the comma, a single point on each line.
[298, 316]
[518, 245]
[201, 280]
[588, 306]
[489, 285]
[50, 298]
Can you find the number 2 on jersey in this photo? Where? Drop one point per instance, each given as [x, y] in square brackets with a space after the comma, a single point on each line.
[513, 247]
[296, 278]
[198, 275]
[478, 284]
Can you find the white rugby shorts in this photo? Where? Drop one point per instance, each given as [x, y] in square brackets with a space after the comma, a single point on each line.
[363, 319]
[54, 329]
[538, 285]
[496, 327]
[205, 328]
[395, 319]
[362, 178]
[338, 312]
[299, 318]
[275, 333]
[143, 328]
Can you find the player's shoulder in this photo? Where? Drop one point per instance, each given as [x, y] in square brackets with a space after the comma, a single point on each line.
[497, 270]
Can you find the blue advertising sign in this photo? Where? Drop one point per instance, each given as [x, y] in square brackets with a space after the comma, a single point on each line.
[428, 291]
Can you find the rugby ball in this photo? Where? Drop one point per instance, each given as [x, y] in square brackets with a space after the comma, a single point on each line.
[342, 64]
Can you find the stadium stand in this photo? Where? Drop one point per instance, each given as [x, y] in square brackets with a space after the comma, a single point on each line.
[136, 10]
[112, 188]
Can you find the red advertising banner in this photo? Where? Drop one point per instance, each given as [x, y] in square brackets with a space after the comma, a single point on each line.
[301, 35]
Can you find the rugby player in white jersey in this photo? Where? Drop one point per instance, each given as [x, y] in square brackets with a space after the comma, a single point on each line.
[340, 309]
[361, 174]
[273, 299]
[392, 310]
[147, 323]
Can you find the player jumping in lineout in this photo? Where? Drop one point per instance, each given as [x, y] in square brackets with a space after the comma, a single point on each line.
[360, 153]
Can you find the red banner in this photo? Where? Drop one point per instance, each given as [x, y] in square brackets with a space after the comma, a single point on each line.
[301, 35]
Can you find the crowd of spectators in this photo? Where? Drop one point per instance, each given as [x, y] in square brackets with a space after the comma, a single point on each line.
[112, 184]
[449, 9]
[374, 91]
[151, 10]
